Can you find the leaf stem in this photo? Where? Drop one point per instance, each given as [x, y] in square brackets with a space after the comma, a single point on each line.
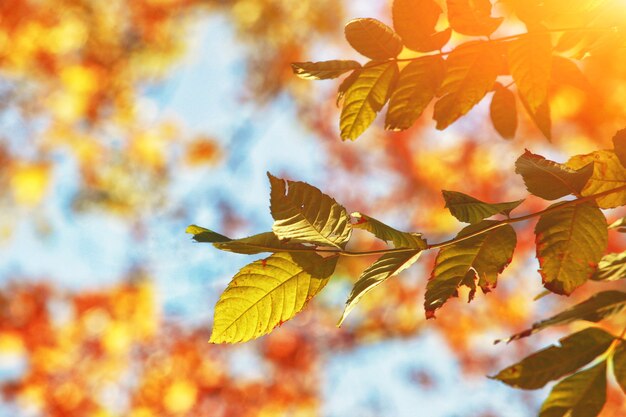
[504, 38]
[476, 233]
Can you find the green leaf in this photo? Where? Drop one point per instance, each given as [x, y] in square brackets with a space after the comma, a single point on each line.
[619, 365]
[619, 225]
[323, 70]
[415, 22]
[530, 59]
[366, 97]
[472, 69]
[596, 308]
[480, 257]
[388, 233]
[503, 112]
[580, 395]
[551, 180]
[303, 213]
[554, 362]
[200, 234]
[385, 267]
[373, 39]
[471, 210]
[541, 117]
[608, 174]
[570, 243]
[612, 267]
[416, 87]
[619, 145]
[472, 17]
[268, 292]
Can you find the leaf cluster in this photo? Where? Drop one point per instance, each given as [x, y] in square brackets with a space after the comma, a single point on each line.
[413, 64]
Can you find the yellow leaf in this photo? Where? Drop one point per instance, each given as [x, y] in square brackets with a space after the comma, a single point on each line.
[366, 97]
[608, 174]
[530, 62]
[472, 71]
[268, 292]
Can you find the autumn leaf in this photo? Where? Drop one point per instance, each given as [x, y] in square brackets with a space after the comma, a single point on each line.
[387, 266]
[503, 112]
[346, 84]
[472, 17]
[619, 145]
[619, 365]
[598, 307]
[582, 394]
[472, 69]
[323, 70]
[373, 39]
[619, 225]
[541, 117]
[262, 242]
[200, 234]
[570, 242]
[415, 21]
[530, 59]
[416, 87]
[365, 97]
[303, 213]
[565, 71]
[611, 267]
[471, 210]
[551, 180]
[480, 257]
[608, 174]
[554, 362]
[388, 233]
[268, 292]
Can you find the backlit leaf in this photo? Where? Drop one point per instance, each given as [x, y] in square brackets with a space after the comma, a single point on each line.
[415, 21]
[619, 225]
[608, 174]
[554, 362]
[503, 112]
[619, 365]
[530, 59]
[388, 233]
[416, 87]
[387, 266]
[570, 243]
[471, 210]
[551, 180]
[303, 213]
[266, 293]
[619, 145]
[471, 71]
[346, 84]
[611, 267]
[323, 70]
[580, 395]
[200, 234]
[366, 97]
[472, 17]
[541, 117]
[565, 71]
[597, 307]
[373, 39]
[262, 242]
[480, 257]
